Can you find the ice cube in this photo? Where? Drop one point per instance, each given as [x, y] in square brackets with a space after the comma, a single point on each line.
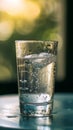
[40, 60]
[43, 54]
[33, 56]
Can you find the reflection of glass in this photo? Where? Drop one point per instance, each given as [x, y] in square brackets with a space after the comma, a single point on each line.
[36, 62]
[36, 123]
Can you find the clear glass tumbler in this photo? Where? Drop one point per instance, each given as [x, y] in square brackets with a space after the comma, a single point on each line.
[36, 64]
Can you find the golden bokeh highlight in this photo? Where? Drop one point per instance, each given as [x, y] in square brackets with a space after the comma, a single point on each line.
[31, 10]
[29, 19]
[21, 8]
[5, 73]
[12, 7]
[25, 27]
[6, 29]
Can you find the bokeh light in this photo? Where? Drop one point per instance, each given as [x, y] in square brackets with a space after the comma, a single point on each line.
[6, 29]
[12, 7]
[24, 27]
[28, 19]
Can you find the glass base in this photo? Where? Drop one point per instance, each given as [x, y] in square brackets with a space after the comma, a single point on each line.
[35, 110]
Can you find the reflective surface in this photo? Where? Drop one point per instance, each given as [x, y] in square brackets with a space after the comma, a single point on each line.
[61, 119]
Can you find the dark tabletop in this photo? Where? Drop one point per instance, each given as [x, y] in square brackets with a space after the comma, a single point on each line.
[61, 119]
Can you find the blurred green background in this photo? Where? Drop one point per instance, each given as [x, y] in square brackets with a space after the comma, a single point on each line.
[30, 19]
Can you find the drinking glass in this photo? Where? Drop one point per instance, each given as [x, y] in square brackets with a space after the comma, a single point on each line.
[36, 67]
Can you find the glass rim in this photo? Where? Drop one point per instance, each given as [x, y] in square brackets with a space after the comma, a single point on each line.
[30, 41]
